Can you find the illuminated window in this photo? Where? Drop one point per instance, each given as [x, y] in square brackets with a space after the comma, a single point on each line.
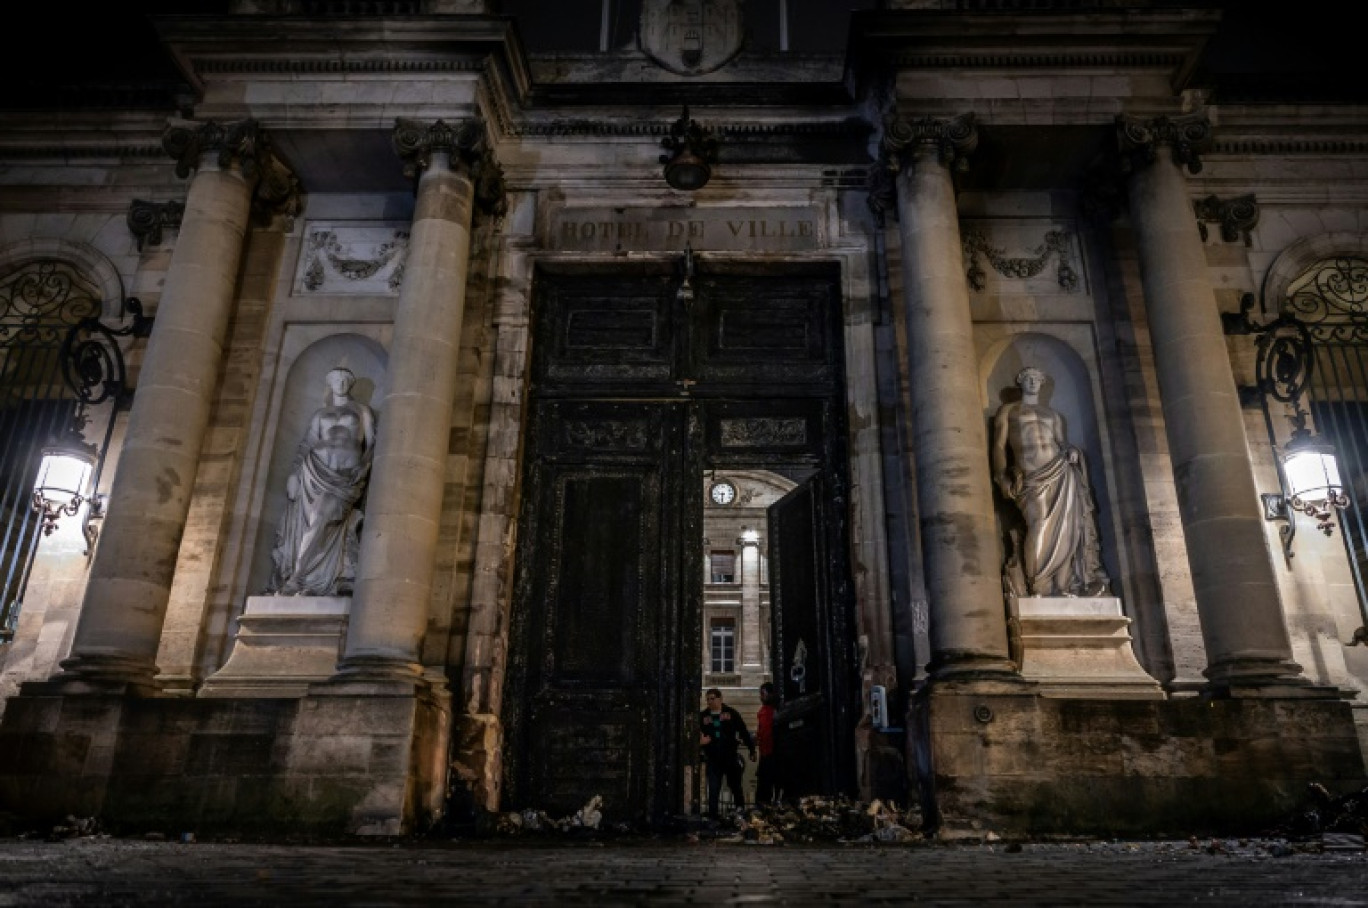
[723, 645]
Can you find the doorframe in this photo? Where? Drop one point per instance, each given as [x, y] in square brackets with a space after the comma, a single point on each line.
[478, 737]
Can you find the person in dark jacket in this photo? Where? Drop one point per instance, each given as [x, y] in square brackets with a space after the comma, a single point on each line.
[721, 729]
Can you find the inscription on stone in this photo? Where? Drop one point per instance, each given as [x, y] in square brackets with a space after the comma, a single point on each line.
[665, 230]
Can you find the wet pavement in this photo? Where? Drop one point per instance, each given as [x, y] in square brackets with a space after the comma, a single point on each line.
[105, 871]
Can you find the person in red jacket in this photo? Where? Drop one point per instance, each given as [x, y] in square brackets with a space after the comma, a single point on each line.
[766, 772]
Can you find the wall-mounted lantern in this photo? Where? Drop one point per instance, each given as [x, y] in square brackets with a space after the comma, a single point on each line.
[1308, 473]
[93, 368]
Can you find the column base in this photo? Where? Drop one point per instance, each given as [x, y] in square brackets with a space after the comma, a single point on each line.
[372, 676]
[1262, 677]
[974, 667]
[100, 675]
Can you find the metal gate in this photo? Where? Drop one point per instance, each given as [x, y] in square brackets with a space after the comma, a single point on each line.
[1314, 358]
[58, 363]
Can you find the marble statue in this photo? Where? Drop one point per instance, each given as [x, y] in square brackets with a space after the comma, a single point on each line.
[319, 533]
[1047, 478]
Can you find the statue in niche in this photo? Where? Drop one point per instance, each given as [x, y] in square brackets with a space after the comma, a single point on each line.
[319, 536]
[1047, 478]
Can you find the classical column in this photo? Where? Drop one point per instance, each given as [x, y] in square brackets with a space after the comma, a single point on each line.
[968, 626]
[749, 544]
[125, 602]
[1237, 593]
[403, 506]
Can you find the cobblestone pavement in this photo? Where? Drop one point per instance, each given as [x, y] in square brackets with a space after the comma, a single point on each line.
[103, 871]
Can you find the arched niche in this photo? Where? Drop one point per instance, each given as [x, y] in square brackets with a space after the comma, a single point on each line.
[305, 391]
[1069, 391]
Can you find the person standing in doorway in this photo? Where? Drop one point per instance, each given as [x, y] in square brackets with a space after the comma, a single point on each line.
[766, 772]
[721, 729]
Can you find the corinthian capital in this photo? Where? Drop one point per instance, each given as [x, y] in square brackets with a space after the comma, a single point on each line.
[243, 144]
[465, 143]
[1187, 135]
[954, 139]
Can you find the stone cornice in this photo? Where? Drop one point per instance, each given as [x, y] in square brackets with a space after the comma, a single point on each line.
[250, 66]
[1123, 39]
[64, 150]
[1081, 59]
[217, 46]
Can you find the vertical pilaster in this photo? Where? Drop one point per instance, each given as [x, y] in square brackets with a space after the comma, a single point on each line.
[130, 577]
[403, 505]
[959, 532]
[750, 604]
[1241, 615]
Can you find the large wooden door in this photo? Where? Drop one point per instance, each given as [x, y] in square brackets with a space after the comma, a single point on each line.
[636, 392]
[808, 634]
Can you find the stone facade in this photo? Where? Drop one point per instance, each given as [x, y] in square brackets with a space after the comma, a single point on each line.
[1075, 190]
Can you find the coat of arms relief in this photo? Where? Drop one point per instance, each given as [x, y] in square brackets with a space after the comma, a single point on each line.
[691, 37]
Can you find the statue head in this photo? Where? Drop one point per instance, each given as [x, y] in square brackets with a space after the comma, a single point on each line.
[1030, 379]
[340, 380]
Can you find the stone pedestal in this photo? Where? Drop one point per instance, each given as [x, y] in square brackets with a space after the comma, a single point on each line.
[1081, 648]
[284, 644]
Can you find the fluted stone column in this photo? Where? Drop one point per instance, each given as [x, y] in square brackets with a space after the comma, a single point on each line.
[403, 506]
[968, 625]
[1241, 615]
[130, 577]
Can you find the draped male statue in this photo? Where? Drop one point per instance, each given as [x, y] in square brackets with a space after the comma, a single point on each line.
[1047, 478]
[318, 538]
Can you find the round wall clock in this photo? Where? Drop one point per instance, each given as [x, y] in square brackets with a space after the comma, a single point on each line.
[723, 492]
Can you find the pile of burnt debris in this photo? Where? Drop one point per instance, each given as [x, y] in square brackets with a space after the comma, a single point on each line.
[1337, 821]
[1323, 822]
[808, 820]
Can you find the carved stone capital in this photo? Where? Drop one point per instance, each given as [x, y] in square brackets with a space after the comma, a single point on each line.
[147, 220]
[1139, 140]
[1237, 217]
[466, 145]
[954, 140]
[243, 144]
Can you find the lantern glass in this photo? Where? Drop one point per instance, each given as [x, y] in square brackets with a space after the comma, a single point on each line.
[64, 475]
[1312, 471]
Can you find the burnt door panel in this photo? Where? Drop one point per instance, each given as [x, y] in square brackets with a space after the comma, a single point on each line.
[797, 643]
[597, 610]
[809, 654]
[597, 335]
[780, 331]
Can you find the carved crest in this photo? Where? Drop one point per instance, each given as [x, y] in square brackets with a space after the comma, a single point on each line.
[691, 37]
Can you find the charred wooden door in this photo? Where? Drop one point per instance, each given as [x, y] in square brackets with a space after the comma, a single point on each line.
[635, 394]
[805, 656]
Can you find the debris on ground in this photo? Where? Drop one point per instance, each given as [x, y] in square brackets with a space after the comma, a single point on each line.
[1335, 823]
[810, 819]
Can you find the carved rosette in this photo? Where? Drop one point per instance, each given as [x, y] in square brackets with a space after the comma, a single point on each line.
[243, 144]
[954, 139]
[466, 145]
[147, 220]
[1188, 136]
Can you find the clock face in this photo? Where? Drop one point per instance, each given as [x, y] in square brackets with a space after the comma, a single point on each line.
[723, 493]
